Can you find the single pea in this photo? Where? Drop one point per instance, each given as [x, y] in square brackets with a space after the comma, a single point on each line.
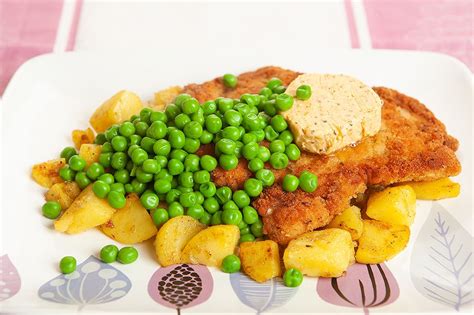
[95, 170]
[172, 110]
[290, 183]
[287, 137]
[162, 147]
[176, 139]
[205, 218]
[263, 154]
[186, 179]
[225, 104]
[230, 264]
[162, 161]
[187, 199]
[82, 180]
[111, 132]
[255, 165]
[119, 160]
[248, 138]
[257, 228]
[233, 118]
[140, 128]
[181, 120]
[116, 199]
[101, 189]
[164, 174]
[284, 102]
[118, 187]
[253, 187]
[277, 146]
[206, 137]
[147, 144]
[231, 132]
[157, 130]
[77, 163]
[143, 176]
[250, 215]
[100, 139]
[175, 209]
[246, 238]
[158, 116]
[270, 133]
[151, 166]
[195, 211]
[202, 177]
[184, 189]
[244, 230]
[265, 92]
[108, 253]
[135, 139]
[119, 143]
[67, 265]
[191, 163]
[138, 187]
[250, 99]
[145, 114]
[66, 173]
[191, 145]
[216, 218]
[139, 156]
[279, 123]
[181, 98]
[266, 177]
[273, 83]
[199, 197]
[231, 216]
[172, 195]
[303, 92]
[242, 108]
[213, 123]
[308, 181]
[159, 216]
[279, 89]
[51, 209]
[242, 225]
[293, 152]
[132, 148]
[190, 106]
[292, 278]
[107, 178]
[251, 122]
[211, 205]
[208, 163]
[223, 194]
[128, 188]
[208, 189]
[260, 134]
[250, 150]
[127, 255]
[149, 200]
[269, 108]
[229, 80]
[241, 198]
[209, 107]
[67, 153]
[105, 159]
[226, 146]
[278, 160]
[175, 167]
[228, 161]
[230, 205]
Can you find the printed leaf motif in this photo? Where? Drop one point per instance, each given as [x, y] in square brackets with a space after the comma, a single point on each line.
[10, 281]
[93, 282]
[261, 296]
[441, 264]
[362, 286]
[181, 286]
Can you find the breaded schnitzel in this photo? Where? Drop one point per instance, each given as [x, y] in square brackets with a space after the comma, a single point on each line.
[412, 145]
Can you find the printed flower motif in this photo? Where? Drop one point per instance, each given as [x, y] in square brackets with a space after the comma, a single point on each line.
[10, 281]
[93, 282]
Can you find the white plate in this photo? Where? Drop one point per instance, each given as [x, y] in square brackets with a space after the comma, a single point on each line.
[53, 94]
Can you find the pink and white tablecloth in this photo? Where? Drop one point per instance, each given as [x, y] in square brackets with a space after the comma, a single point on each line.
[32, 27]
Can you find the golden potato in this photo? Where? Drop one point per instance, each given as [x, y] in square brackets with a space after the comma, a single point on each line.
[90, 153]
[173, 236]
[325, 253]
[46, 174]
[381, 241]
[435, 190]
[64, 193]
[210, 246]
[117, 109]
[80, 137]
[86, 212]
[260, 260]
[349, 220]
[131, 224]
[394, 205]
[165, 97]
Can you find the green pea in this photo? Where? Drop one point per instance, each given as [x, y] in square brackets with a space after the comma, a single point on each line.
[213, 123]
[175, 209]
[128, 188]
[162, 161]
[185, 179]
[145, 114]
[51, 209]
[292, 278]
[250, 150]
[230, 205]
[191, 145]
[147, 144]
[95, 170]
[140, 128]
[162, 147]
[278, 160]
[231, 132]
[287, 137]
[190, 106]
[308, 181]
[263, 154]
[208, 189]
[101, 189]
[99, 139]
[77, 163]
[181, 120]
[119, 160]
[230, 264]
[208, 163]
[246, 238]
[266, 92]
[191, 163]
[195, 211]
[248, 138]
[205, 218]
[241, 198]
[225, 146]
[229, 80]
[293, 152]
[66, 173]
[260, 134]
[175, 167]
[116, 199]
[233, 118]
[159, 216]
[228, 162]
[172, 111]
[149, 200]
[257, 228]
[253, 187]
[139, 156]
[151, 166]
[67, 265]
[255, 165]
[225, 104]
[107, 178]
[143, 176]
[67, 153]
[251, 122]
[181, 98]
[199, 197]
[176, 139]
[135, 139]
[106, 148]
[244, 230]
[279, 123]
[223, 194]
[216, 218]
[164, 174]
[111, 132]
[231, 216]
[202, 177]
[108, 253]
[290, 183]
[119, 143]
[250, 99]
[138, 187]
[118, 187]
[303, 92]
[178, 154]
[284, 102]
[209, 107]
[157, 130]
[127, 255]
[266, 177]
[172, 195]
[277, 146]
[187, 199]
[250, 215]
[273, 83]
[211, 205]
[242, 225]
[206, 137]
[270, 133]
[82, 180]
[105, 159]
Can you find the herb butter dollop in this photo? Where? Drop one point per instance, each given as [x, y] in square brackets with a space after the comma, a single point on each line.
[341, 111]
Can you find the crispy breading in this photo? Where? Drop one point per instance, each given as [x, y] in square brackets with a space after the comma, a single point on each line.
[412, 145]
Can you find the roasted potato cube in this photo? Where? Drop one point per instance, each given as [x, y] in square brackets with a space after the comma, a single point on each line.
[381, 241]
[394, 205]
[117, 109]
[210, 246]
[260, 260]
[64, 193]
[80, 137]
[435, 190]
[165, 97]
[173, 236]
[325, 253]
[349, 220]
[90, 153]
[46, 174]
[86, 212]
[131, 224]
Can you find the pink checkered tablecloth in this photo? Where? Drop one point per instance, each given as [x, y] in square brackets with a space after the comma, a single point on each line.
[33, 27]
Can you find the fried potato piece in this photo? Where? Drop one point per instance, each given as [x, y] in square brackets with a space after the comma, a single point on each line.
[349, 220]
[435, 190]
[381, 241]
[90, 153]
[131, 224]
[260, 260]
[173, 236]
[65, 193]
[325, 253]
[117, 109]
[86, 212]
[46, 174]
[210, 246]
[80, 137]
[165, 97]
[394, 205]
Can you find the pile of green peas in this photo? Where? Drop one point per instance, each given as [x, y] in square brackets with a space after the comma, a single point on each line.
[154, 155]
